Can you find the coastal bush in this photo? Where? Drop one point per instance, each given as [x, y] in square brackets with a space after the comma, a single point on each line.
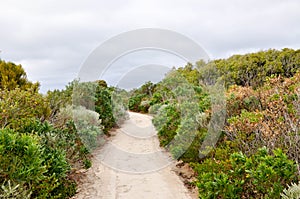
[16, 106]
[25, 161]
[240, 176]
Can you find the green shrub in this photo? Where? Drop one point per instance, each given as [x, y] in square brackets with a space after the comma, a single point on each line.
[154, 109]
[156, 98]
[25, 161]
[13, 76]
[258, 176]
[119, 105]
[17, 106]
[63, 151]
[87, 122]
[59, 99]
[134, 103]
[104, 107]
[188, 151]
[21, 157]
[253, 69]
[64, 138]
[166, 123]
[95, 96]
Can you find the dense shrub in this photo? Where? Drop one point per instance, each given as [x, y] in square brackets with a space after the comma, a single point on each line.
[95, 96]
[154, 109]
[177, 103]
[44, 140]
[267, 116]
[87, 123]
[186, 146]
[63, 137]
[258, 176]
[13, 76]
[134, 103]
[59, 99]
[189, 134]
[252, 69]
[141, 98]
[17, 106]
[38, 168]
[262, 110]
[166, 122]
[119, 105]
[104, 107]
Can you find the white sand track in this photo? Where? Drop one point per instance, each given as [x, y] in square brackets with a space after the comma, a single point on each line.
[131, 165]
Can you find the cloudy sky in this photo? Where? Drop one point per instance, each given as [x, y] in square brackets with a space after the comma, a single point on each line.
[52, 39]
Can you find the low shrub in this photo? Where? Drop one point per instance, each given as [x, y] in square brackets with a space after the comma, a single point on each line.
[25, 162]
[119, 105]
[134, 103]
[166, 123]
[17, 106]
[87, 123]
[258, 176]
[154, 109]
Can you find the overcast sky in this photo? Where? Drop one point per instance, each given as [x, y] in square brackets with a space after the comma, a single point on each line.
[51, 38]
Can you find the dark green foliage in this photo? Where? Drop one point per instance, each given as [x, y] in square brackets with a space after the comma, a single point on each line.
[140, 99]
[191, 154]
[135, 101]
[38, 167]
[156, 98]
[64, 138]
[139, 103]
[239, 176]
[166, 122]
[63, 151]
[21, 156]
[103, 106]
[87, 163]
[181, 120]
[66, 189]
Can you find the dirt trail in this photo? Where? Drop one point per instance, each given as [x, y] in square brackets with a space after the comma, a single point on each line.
[131, 165]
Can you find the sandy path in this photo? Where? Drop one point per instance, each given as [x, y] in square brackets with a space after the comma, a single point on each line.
[131, 165]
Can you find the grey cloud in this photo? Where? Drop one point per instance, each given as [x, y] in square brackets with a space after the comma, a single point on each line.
[142, 74]
[133, 67]
[53, 38]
